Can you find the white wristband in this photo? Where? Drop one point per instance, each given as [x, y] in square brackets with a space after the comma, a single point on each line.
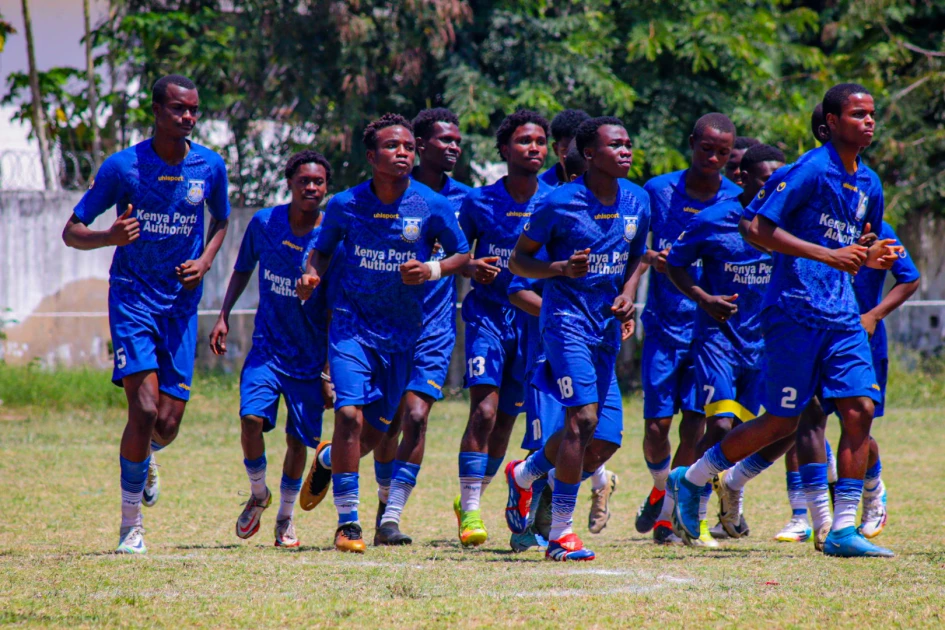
[435, 272]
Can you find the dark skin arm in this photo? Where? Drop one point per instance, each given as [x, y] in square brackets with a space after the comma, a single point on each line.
[623, 307]
[315, 267]
[719, 307]
[124, 230]
[523, 262]
[415, 272]
[893, 300]
[528, 301]
[191, 272]
[238, 282]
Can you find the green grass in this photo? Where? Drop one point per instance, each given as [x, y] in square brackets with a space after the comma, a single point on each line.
[59, 487]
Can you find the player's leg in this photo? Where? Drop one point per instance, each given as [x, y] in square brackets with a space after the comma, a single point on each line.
[658, 408]
[473, 459]
[798, 528]
[874, 515]
[511, 399]
[384, 455]
[813, 467]
[293, 468]
[607, 439]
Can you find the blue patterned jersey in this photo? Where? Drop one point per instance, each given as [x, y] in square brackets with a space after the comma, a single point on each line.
[817, 201]
[282, 331]
[729, 266]
[439, 305]
[749, 211]
[550, 176]
[494, 220]
[373, 305]
[669, 316]
[571, 219]
[168, 203]
[535, 349]
[868, 286]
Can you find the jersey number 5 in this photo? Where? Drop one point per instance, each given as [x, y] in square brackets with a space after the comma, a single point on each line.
[120, 359]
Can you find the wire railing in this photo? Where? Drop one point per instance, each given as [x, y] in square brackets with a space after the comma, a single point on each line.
[22, 169]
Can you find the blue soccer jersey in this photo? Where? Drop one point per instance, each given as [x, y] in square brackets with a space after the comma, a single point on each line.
[819, 202]
[749, 211]
[729, 266]
[571, 219]
[283, 334]
[535, 350]
[669, 316]
[439, 304]
[168, 202]
[550, 176]
[868, 286]
[373, 304]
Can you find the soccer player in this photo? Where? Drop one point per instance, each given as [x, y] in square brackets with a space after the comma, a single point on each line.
[492, 216]
[563, 127]
[727, 337]
[159, 188]
[397, 467]
[594, 231]
[669, 317]
[733, 168]
[813, 220]
[289, 350]
[389, 226]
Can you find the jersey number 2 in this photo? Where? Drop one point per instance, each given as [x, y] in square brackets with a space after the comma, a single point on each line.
[790, 395]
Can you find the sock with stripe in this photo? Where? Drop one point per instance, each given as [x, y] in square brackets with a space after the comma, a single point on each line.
[746, 470]
[256, 471]
[795, 493]
[873, 483]
[538, 486]
[848, 494]
[133, 477]
[535, 466]
[402, 484]
[288, 492]
[563, 501]
[492, 467]
[709, 465]
[831, 463]
[472, 468]
[814, 482]
[155, 447]
[383, 471]
[660, 473]
[344, 488]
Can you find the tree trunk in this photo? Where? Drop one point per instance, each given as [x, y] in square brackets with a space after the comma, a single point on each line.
[39, 122]
[93, 90]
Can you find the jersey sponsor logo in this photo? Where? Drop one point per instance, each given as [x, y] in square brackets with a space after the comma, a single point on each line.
[839, 231]
[691, 210]
[171, 178]
[782, 186]
[502, 253]
[518, 214]
[849, 186]
[528, 224]
[751, 275]
[601, 217]
[195, 188]
[292, 245]
[161, 223]
[379, 260]
[861, 206]
[607, 264]
[630, 225]
[385, 215]
[411, 229]
[279, 285]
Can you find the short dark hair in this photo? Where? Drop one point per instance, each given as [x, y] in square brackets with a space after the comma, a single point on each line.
[515, 120]
[424, 122]
[745, 142]
[818, 120]
[574, 162]
[715, 120]
[159, 90]
[307, 157]
[566, 123]
[761, 153]
[838, 95]
[586, 134]
[387, 120]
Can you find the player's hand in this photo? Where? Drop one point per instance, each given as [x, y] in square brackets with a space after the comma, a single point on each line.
[577, 265]
[305, 286]
[624, 309]
[848, 259]
[328, 393]
[218, 337]
[659, 263]
[482, 270]
[868, 237]
[191, 273]
[883, 254]
[124, 230]
[720, 307]
[414, 272]
[869, 323]
[627, 329]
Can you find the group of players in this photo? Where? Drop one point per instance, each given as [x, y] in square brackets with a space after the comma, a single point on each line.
[751, 305]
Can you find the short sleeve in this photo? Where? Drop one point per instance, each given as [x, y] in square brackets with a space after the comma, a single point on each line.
[541, 225]
[249, 248]
[689, 247]
[638, 243]
[333, 228]
[904, 269]
[445, 228]
[219, 200]
[877, 207]
[749, 211]
[790, 194]
[466, 221]
[104, 191]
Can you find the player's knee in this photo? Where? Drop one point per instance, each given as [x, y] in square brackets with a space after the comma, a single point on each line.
[585, 422]
[251, 425]
[294, 445]
[858, 414]
[656, 429]
[145, 412]
[348, 417]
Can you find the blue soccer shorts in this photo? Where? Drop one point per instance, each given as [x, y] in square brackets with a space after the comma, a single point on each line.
[726, 389]
[260, 389]
[669, 380]
[495, 352]
[576, 372]
[546, 416]
[431, 361]
[144, 341]
[832, 363]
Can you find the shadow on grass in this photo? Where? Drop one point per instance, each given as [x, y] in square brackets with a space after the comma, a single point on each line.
[218, 546]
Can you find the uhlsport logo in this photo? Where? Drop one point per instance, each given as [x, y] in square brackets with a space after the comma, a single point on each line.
[630, 227]
[195, 189]
[411, 231]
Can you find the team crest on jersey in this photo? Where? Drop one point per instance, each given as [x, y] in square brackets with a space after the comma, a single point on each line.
[411, 231]
[761, 194]
[195, 189]
[630, 227]
[782, 186]
[861, 207]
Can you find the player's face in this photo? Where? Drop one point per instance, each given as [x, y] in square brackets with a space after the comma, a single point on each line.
[733, 168]
[561, 148]
[856, 123]
[394, 153]
[755, 178]
[309, 185]
[177, 115]
[441, 149]
[711, 151]
[613, 152]
[527, 148]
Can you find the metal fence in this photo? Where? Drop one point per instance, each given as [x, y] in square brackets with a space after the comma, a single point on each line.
[22, 169]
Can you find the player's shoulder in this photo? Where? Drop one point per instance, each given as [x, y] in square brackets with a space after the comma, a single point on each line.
[349, 196]
[456, 187]
[434, 201]
[207, 155]
[637, 191]
[662, 182]
[720, 213]
[265, 216]
[563, 194]
[729, 189]
[122, 162]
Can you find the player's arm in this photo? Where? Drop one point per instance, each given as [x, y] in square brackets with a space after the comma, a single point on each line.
[124, 230]
[238, 282]
[719, 307]
[901, 292]
[623, 307]
[527, 300]
[743, 226]
[316, 266]
[191, 272]
[445, 230]
[523, 262]
[764, 232]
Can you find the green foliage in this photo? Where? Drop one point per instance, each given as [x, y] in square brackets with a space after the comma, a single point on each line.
[5, 29]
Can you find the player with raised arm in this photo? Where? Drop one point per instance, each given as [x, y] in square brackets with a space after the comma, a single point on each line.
[389, 227]
[594, 232]
[563, 127]
[492, 217]
[397, 467]
[813, 220]
[289, 349]
[159, 188]
[669, 317]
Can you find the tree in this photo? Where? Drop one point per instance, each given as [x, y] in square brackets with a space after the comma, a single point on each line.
[92, 86]
[39, 127]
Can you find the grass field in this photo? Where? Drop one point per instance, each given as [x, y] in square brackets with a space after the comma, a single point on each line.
[59, 489]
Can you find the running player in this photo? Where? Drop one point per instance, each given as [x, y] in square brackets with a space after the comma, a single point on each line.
[159, 188]
[492, 216]
[397, 467]
[813, 219]
[669, 316]
[563, 127]
[289, 351]
[594, 230]
[733, 168]
[389, 226]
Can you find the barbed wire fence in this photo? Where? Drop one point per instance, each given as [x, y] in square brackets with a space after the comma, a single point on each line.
[22, 170]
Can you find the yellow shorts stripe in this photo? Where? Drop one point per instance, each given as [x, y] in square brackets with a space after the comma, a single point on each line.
[729, 406]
